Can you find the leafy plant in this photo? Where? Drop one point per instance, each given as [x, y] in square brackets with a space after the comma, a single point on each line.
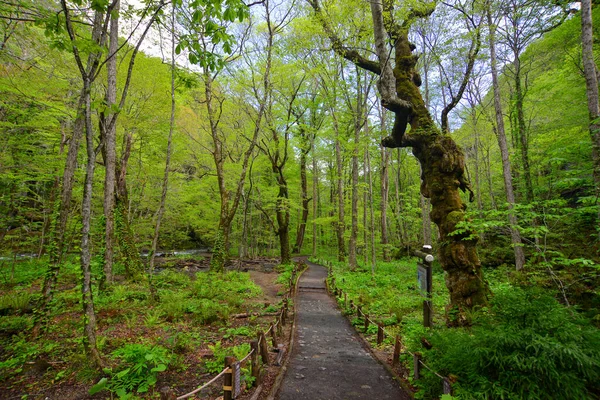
[142, 365]
[239, 331]
[526, 345]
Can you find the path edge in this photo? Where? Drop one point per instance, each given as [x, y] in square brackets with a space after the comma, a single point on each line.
[277, 385]
[366, 345]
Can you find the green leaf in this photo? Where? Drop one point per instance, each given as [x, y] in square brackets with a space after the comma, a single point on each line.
[98, 387]
[123, 373]
[159, 368]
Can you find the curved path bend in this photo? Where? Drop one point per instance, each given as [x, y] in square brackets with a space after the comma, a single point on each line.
[329, 361]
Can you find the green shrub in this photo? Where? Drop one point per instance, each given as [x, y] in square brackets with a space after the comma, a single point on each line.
[217, 363]
[240, 331]
[174, 305]
[142, 364]
[526, 345]
[15, 302]
[171, 279]
[13, 324]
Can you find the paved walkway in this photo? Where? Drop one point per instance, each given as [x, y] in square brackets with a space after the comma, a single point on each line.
[329, 361]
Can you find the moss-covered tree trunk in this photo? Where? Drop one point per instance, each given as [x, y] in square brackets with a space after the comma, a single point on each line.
[442, 161]
[443, 177]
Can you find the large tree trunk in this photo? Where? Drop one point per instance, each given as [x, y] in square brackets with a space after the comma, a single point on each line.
[371, 211]
[502, 143]
[385, 189]
[303, 192]
[354, 200]
[315, 197]
[108, 129]
[89, 339]
[522, 129]
[385, 192]
[123, 232]
[591, 84]
[442, 163]
[341, 224]
[283, 219]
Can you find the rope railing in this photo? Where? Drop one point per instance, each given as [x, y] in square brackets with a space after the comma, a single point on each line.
[258, 346]
[207, 384]
[382, 333]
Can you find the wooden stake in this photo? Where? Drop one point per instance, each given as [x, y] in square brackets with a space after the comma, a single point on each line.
[262, 345]
[396, 356]
[417, 365]
[366, 322]
[228, 379]
[254, 361]
[379, 333]
[447, 386]
[273, 336]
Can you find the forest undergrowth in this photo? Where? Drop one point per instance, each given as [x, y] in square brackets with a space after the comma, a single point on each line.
[178, 341]
[524, 344]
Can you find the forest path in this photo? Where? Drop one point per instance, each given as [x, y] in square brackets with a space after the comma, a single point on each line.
[329, 361]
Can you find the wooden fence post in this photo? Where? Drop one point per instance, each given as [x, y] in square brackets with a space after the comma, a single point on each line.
[284, 313]
[366, 322]
[396, 356]
[262, 345]
[254, 361]
[345, 300]
[279, 328]
[273, 336]
[359, 311]
[228, 379]
[351, 304]
[447, 386]
[379, 334]
[417, 365]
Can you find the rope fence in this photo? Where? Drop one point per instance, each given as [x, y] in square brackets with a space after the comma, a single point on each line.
[382, 333]
[258, 351]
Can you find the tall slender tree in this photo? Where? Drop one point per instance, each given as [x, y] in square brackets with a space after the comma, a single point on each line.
[503, 145]
[591, 84]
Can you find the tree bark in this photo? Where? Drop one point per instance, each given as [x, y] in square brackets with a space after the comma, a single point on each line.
[283, 218]
[371, 211]
[315, 189]
[522, 129]
[591, 84]
[352, 260]
[442, 163]
[108, 130]
[89, 341]
[304, 150]
[56, 243]
[123, 232]
[165, 182]
[385, 190]
[503, 145]
[341, 224]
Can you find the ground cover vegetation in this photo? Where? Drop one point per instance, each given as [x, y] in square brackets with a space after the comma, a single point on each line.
[352, 131]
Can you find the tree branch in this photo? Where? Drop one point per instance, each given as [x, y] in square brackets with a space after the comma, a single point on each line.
[343, 51]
